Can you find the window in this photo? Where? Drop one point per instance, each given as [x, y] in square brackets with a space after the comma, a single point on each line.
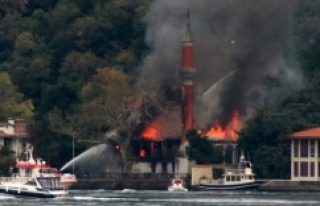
[8, 142]
[312, 172]
[296, 148]
[303, 169]
[312, 148]
[304, 148]
[296, 169]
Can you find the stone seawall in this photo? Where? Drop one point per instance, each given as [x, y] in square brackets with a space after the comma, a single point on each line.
[289, 185]
[93, 184]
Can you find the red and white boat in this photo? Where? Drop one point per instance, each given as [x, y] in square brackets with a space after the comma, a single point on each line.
[40, 168]
[36, 179]
[25, 170]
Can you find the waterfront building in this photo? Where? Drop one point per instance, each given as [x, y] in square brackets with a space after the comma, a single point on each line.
[305, 154]
[14, 135]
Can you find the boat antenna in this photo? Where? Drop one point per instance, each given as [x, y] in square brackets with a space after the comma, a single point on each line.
[72, 154]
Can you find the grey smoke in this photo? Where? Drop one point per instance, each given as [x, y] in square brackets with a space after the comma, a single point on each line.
[250, 39]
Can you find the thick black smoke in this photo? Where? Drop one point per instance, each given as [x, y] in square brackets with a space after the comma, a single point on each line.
[238, 44]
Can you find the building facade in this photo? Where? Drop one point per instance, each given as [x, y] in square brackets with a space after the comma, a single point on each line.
[14, 135]
[305, 155]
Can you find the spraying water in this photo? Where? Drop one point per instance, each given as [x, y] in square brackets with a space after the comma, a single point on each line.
[98, 159]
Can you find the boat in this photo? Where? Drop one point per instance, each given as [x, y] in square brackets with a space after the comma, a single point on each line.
[36, 179]
[177, 184]
[241, 178]
[41, 187]
[40, 168]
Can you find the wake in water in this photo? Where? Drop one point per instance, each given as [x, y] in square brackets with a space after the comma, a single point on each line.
[98, 159]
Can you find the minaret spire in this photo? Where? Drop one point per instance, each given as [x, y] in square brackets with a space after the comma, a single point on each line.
[187, 75]
[188, 34]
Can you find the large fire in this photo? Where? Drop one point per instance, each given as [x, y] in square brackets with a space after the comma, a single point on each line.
[229, 132]
[155, 130]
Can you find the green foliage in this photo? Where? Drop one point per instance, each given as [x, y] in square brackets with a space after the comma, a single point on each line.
[7, 160]
[12, 103]
[202, 150]
[271, 162]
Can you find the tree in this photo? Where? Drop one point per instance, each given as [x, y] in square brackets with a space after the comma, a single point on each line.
[77, 69]
[106, 103]
[271, 162]
[13, 103]
[202, 150]
[7, 160]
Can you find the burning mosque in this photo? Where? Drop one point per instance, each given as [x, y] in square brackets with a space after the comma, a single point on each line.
[205, 71]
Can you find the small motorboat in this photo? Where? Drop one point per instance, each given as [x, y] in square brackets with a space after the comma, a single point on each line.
[177, 185]
[241, 178]
[41, 187]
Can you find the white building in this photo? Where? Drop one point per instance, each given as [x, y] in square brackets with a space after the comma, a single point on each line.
[305, 155]
[14, 135]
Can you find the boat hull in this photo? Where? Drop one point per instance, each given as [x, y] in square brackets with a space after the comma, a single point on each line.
[244, 186]
[30, 193]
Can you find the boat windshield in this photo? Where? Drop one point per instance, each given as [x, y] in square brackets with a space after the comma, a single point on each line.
[177, 181]
[50, 182]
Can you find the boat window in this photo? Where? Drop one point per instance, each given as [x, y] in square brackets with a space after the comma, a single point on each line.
[50, 183]
[233, 178]
[228, 178]
[31, 182]
[238, 178]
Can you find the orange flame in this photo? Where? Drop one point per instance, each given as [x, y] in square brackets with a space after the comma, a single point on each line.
[151, 133]
[225, 133]
[143, 153]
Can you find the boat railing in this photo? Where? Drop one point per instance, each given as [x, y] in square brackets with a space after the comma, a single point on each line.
[234, 171]
[14, 179]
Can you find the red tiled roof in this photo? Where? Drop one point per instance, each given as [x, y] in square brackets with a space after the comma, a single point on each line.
[312, 133]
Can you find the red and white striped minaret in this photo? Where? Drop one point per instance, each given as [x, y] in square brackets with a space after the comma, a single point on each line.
[187, 75]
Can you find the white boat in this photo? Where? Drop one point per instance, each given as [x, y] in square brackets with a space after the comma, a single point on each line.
[241, 178]
[44, 187]
[36, 178]
[177, 185]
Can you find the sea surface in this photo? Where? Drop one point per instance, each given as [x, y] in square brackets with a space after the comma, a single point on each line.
[129, 197]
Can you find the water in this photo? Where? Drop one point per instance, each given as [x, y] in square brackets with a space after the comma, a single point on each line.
[164, 198]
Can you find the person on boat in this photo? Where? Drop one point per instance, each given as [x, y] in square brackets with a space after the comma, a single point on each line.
[56, 172]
